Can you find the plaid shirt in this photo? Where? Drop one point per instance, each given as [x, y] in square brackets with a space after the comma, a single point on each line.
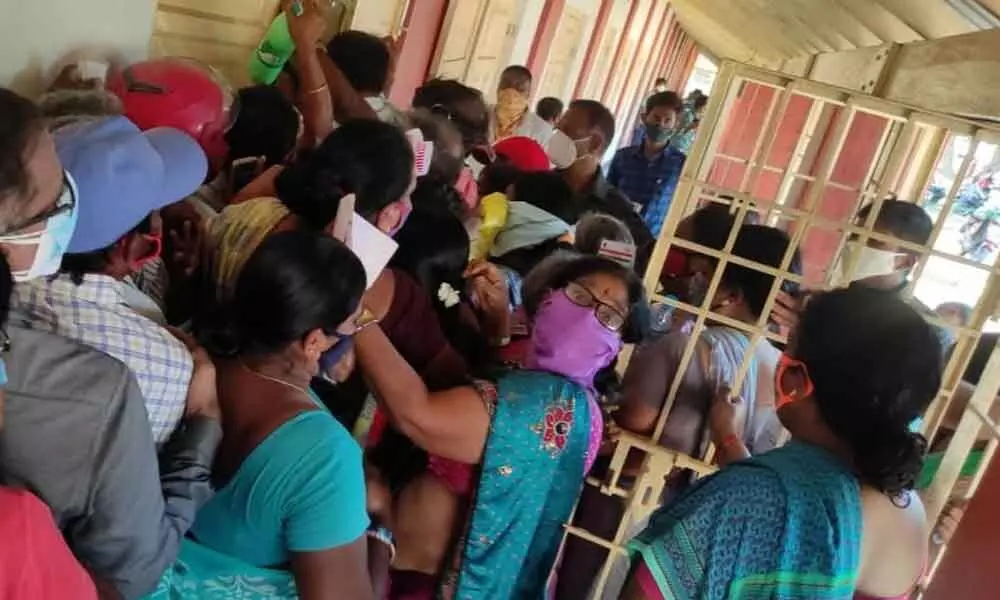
[95, 314]
[649, 183]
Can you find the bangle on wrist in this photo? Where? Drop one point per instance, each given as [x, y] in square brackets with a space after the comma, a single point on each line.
[318, 90]
[382, 534]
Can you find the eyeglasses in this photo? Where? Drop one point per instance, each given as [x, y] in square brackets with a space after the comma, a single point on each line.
[64, 203]
[607, 315]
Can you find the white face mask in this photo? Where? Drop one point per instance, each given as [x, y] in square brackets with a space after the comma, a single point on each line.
[563, 150]
[868, 262]
[52, 240]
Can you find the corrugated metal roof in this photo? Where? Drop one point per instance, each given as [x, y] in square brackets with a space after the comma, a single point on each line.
[767, 32]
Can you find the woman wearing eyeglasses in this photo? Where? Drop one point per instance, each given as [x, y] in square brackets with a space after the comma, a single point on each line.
[534, 432]
[832, 514]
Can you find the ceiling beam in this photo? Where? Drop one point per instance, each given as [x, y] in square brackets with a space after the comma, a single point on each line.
[955, 75]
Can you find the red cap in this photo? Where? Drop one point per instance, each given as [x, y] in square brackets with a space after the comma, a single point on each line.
[179, 93]
[525, 153]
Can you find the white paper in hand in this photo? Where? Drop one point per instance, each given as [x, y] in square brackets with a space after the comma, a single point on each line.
[373, 247]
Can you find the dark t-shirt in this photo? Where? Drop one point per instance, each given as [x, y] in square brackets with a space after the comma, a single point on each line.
[602, 197]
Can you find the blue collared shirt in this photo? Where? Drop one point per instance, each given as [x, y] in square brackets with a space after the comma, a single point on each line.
[648, 182]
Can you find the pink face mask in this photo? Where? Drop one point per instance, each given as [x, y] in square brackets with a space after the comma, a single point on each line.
[468, 189]
[567, 339]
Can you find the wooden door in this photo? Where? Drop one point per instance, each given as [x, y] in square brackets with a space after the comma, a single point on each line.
[218, 32]
[458, 38]
[379, 18]
[493, 45]
[562, 54]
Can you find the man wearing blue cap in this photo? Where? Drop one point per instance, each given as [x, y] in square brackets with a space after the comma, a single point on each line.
[76, 430]
[124, 176]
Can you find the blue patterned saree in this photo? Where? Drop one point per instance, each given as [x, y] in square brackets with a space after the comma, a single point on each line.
[532, 473]
[784, 525]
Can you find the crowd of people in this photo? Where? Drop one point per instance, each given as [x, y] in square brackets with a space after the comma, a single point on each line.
[296, 342]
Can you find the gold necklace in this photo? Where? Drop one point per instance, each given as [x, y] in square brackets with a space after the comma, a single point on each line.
[276, 380]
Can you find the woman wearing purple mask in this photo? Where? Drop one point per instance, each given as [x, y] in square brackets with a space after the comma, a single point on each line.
[534, 432]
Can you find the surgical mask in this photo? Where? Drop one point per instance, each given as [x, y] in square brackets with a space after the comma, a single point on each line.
[52, 240]
[868, 262]
[659, 135]
[568, 340]
[563, 150]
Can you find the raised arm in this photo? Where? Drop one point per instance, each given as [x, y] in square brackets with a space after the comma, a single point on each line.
[347, 102]
[313, 97]
[645, 387]
[453, 424]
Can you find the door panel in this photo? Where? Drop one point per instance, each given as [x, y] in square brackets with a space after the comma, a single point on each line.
[378, 18]
[563, 53]
[458, 39]
[219, 32]
[493, 44]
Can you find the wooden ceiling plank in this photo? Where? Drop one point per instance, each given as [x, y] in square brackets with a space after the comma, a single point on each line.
[822, 26]
[707, 20]
[763, 30]
[991, 5]
[719, 40]
[932, 19]
[885, 24]
[786, 25]
[841, 20]
[790, 24]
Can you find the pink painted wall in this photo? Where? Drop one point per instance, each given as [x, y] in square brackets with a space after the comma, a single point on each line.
[742, 129]
[423, 25]
[548, 24]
